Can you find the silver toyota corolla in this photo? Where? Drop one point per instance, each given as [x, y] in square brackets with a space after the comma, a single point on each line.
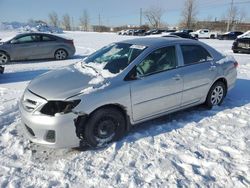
[35, 46]
[96, 101]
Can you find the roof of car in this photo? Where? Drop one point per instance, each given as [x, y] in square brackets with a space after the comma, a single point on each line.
[155, 41]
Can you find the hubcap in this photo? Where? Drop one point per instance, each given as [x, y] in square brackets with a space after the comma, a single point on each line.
[105, 130]
[3, 58]
[60, 54]
[217, 95]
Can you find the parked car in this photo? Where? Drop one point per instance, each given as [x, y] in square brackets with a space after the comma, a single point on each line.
[96, 101]
[35, 46]
[184, 35]
[1, 70]
[241, 45]
[186, 30]
[139, 32]
[232, 35]
[204, 33]
[155, 31]
[246, 34]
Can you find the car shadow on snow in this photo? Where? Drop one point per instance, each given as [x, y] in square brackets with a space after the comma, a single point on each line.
[20, 76]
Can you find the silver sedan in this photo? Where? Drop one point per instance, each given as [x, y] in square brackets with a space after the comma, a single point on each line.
[96, 101]
[35, 46]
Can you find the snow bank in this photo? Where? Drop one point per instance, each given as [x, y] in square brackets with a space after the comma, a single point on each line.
[192, 148]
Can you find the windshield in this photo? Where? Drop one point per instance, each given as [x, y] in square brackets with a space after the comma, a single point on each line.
[115, 57]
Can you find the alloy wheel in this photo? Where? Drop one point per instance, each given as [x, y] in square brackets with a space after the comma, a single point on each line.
[217, 95]
[60, 54]
[3, 58]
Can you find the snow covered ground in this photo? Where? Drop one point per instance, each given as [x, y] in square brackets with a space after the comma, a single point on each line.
[192, 148]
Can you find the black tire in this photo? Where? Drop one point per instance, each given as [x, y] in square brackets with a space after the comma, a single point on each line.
[212, 37]
[61, 54]
[4, 58]
[235, 51]
[105, 126]
[216, 94]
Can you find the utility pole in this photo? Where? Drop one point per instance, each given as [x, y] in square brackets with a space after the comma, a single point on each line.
[140, 17]
[230, 15]
[99, 20]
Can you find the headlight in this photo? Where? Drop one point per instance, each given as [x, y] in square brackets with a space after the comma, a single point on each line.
[53, 107]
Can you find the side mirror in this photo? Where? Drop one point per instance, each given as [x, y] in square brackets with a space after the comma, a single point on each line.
[132, 75]
[14, 41]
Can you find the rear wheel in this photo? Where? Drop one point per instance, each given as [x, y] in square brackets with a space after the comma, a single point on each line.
[216, 94]
[235, 51]
[4, 58]
[212, 37]
[61, 54]
[104, 126]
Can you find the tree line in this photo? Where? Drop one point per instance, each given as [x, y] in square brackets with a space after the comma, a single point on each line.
[153, 18]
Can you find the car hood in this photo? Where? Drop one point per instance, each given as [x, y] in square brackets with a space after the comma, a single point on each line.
[64, 83]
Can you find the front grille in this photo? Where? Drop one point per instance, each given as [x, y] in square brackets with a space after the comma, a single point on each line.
[30, 130]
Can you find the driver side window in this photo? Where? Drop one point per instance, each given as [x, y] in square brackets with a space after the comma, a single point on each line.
[28, 38]
[159, 60]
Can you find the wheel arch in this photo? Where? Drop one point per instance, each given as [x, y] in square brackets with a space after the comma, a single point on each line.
[220, 79]
[5, 53]
[82, 119]
[61, 48]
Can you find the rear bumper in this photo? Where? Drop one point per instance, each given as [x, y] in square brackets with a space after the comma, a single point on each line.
[50, 131]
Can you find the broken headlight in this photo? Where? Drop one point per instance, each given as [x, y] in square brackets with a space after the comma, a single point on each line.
[53, 107]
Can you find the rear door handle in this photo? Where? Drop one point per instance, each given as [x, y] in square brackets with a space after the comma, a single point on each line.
[177, 77]
[212, 68]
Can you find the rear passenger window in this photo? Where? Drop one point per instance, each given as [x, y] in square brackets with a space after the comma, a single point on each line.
[47, 38]
[194, 54]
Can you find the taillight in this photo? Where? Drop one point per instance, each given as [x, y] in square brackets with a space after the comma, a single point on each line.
[236, 64]
[70, 42]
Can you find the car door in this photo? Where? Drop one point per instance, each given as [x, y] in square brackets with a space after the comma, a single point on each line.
[158, 86]
[25, 46]
[47, 46]
[198, 73]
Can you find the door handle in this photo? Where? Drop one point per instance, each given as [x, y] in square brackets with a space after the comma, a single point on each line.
[177, 77]
[212, 68]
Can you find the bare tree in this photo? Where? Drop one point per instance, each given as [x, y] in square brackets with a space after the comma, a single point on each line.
[53, 19]
[154, 16]
[84, 20]
[189, 13]
[232, 15]
[242, 15]
[66, 23]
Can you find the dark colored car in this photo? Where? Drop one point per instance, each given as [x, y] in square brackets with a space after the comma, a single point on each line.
[241, 45]
[139, 32]
[232, 35]
[183, 35]
[187, 30]
[35, 46]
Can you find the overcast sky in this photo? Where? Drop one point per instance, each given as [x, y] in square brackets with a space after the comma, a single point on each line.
[113, 12]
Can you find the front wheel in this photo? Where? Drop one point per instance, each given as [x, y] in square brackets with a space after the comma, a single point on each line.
[104, 126]
[216, 94]
[61, 54]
